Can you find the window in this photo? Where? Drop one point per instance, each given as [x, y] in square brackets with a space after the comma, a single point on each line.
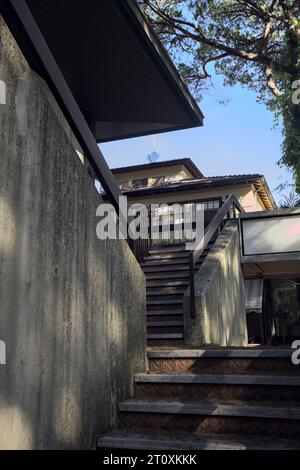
[139, 183]
[212, 205]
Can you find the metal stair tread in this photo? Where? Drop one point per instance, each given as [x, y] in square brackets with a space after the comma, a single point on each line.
[159, 269]
[151, 313]
[165, 336]
[164, 302]
[167, 256]
[168, 284]
[167, 249]
[161, 293]
[164, 324]
[160, 262]
[152, 277]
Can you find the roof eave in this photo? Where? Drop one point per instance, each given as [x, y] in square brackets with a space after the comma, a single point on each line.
[186, 162]
[192, 186]
[268, 193]
[161, 54]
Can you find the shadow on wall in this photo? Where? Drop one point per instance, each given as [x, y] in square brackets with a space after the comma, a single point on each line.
[220, 302]
[235, 325]
[72, 306]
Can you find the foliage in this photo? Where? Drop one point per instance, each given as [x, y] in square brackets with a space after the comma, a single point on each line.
[255, 43]
[290, 200]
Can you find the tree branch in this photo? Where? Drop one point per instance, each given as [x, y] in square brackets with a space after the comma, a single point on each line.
[258, 11]
[207, 61]
[198, 35]
[271, 82]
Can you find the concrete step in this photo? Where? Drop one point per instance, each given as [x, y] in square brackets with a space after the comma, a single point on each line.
[202, 417]
[223, 361]
[181, 441]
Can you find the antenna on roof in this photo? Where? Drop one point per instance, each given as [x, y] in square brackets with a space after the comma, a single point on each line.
[153, 157]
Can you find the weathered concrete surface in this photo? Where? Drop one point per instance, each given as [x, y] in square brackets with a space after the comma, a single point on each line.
[220, 300]
[72, 308]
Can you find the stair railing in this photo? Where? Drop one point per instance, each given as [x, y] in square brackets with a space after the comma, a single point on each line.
[226, 212]
[141, 246]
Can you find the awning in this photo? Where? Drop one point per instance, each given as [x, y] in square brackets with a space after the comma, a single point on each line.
[254, 295]
[119, 73]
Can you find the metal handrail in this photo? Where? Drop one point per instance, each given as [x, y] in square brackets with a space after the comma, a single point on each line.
[215, 224]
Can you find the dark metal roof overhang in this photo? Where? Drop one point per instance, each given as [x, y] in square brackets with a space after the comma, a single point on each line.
[104, 66]
[118, 72]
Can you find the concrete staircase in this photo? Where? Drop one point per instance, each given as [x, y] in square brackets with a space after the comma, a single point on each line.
[167, 275]
[212, 399]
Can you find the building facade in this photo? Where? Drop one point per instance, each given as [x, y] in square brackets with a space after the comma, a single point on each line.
[180, 181]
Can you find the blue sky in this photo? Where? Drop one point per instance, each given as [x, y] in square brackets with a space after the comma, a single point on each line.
[238, 137]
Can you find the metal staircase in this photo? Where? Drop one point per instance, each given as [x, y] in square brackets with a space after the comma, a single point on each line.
[167, 272]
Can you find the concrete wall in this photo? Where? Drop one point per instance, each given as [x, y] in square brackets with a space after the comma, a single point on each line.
[72, 307]
[220, 300]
